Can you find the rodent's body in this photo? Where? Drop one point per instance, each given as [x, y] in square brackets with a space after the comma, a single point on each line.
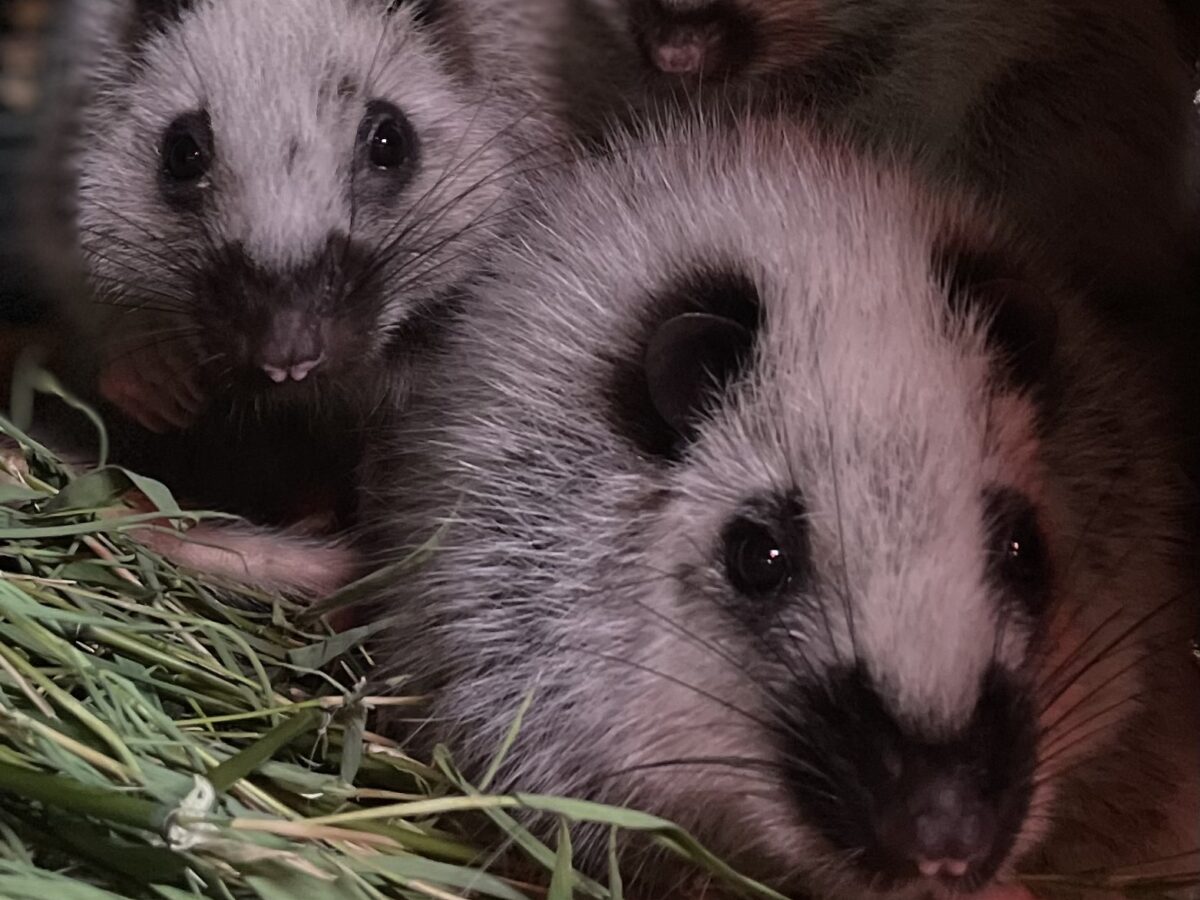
[1069, 113]
[917, 534]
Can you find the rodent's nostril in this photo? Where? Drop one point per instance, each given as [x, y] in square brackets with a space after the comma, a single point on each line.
[275, 373]
[295, 371]
[300, 371]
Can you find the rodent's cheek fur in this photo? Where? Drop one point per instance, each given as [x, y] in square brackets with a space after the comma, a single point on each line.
[1015, 457]
[699, 698]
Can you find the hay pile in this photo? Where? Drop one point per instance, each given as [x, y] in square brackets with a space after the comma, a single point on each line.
[165, 738]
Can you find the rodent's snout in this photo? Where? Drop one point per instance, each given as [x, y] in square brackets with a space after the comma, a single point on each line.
[691, 42]
[292, 346]
[267, 324]
[686, 50]
[907, 801]
[939, 825]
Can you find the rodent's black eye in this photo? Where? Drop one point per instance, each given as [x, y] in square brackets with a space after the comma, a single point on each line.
[391, 142]
[187, 149]
[756, 563]
[389, 148]
[1024, 557]
[183, 158]
[1020, 562]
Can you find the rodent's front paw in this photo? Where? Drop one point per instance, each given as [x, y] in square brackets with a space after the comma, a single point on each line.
[158, 387]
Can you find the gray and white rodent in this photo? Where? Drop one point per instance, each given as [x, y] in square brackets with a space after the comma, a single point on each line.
[265, 198]
[253, 219]
[256, 218]
[812, 513]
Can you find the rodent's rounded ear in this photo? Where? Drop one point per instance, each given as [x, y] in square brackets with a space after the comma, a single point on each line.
[1021, 319]
[1023, 326]
[688, 360]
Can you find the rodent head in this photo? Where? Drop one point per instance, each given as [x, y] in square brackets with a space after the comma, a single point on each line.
[292, 184]
[756, 478]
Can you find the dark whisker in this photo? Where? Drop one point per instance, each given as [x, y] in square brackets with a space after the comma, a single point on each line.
[1121, 673]
[175, 264]
[677, 681]
[1070, 739]
[1116, 642]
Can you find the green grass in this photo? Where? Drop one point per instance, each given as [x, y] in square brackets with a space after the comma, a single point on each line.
[165, 738]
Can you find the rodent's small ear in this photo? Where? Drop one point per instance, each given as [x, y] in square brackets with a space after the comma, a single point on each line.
[689, 359]
[1021, 319]
[1023, 325]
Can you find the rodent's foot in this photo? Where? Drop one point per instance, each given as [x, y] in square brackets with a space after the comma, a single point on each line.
[158, 388]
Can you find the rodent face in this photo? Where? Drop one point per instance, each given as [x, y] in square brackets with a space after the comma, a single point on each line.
[865, 535]
[830, 616]
[293, 183]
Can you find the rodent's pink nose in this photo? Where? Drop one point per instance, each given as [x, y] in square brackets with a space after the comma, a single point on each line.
[298, 372]
[292, 347]
[683, 56]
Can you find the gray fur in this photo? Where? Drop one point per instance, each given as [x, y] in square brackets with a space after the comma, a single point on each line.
[579, 569]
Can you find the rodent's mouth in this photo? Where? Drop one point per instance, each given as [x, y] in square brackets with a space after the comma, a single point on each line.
[248, 370]
[258, 388]
[924, 889]
[992, 891]
[940, 886]
[261, 384]
[919, 888]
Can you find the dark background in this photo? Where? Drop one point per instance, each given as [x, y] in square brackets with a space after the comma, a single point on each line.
[22, 29]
